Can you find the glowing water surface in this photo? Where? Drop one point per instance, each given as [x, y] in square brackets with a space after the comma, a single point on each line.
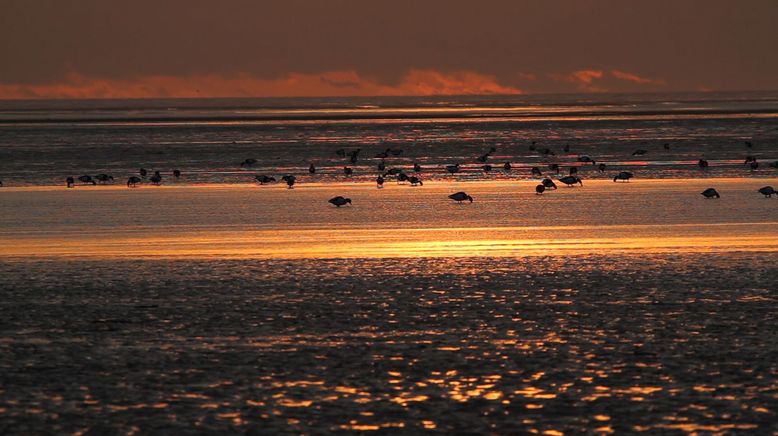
[506, 219]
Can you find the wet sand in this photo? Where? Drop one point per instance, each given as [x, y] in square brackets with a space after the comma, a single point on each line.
[655, 343]
[634, 307]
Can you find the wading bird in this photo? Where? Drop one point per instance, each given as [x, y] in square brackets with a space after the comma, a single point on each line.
[452, 168]
[289, 181]
[156, 178]
[571, 180]
[548, 183]
[248, 162]
[340, 201]
[702, 163]
[459, 197]
[415, 181]
[624, 175]
[710, 193]
[87, 179]
[768, 191]
[70, 182]
[262, 179]
[379, 181]
[133, 181]
[539, 189]
[104, 178]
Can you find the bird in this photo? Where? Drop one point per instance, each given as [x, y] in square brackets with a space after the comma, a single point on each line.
[381, 165]
[536, 172]
[602, 167]
[87, 179]
[554, 167]
[548, 183]
[70, 182]
[395, 151]
[133, 181]
[417, 167]
[487, 168]
[768, 191]
[1, 183]
[539, 189]
[353, 155]
[639, 152]
[312, 169]
[262, 179]
[586, 159]
[507, 166]
[532, 146]
[248, 162]
[289, 180]
[749, 159]
[452, 168]
[624, 175]
[573, 170]
[340, 201]
[379, 181]
[459, 197]
[142, 172]
[176, 173]
[667, 146]
[483, 158]
[710, 193]
[104, 178]
[402, 177]
[571, 180]
[415, 181]
[702, 163]
[754, 165]
[348, 171]
[156, 178]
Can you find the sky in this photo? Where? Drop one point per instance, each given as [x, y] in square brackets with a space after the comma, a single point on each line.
[277, 48]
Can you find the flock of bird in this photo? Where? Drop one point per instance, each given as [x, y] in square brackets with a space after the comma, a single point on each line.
[571, 180]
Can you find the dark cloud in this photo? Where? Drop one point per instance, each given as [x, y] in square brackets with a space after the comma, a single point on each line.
[530, 45]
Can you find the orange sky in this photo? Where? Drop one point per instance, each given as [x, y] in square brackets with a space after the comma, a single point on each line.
[274, 48]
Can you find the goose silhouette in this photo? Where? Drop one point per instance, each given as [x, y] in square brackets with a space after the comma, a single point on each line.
[548, 183]
[142, 172]
[340, 201]
[710, 193]
[459, 197]
[602, 167]
[639, 152]
[379, 181]
[417, 167]
[487, 168]
[156, 178]
[87, 179]
[248, 162]
[507, 166]
[539, 189]
[571, 180]
[536, 172]
[70, 182]
[262, 179]
[415, 181]
[290, 180]
[104, 178]
[624, 176]
[586, 159]
[348, 171]
[312, 169]
[702, 163]
[768, 191]
[176, 173]
[452, 168]
[133, 181]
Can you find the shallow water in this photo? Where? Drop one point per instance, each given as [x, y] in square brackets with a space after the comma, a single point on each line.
[41, 143]
[506, 219]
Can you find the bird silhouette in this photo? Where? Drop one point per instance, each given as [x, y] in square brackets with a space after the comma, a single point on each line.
[710, 193]
[263, 179]
[87, 179]
[624, 176]
[459, 197]
[70, 182]
[133, 181]
[539, 189]
[340, 201]
[571, 180]
[768, 191]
